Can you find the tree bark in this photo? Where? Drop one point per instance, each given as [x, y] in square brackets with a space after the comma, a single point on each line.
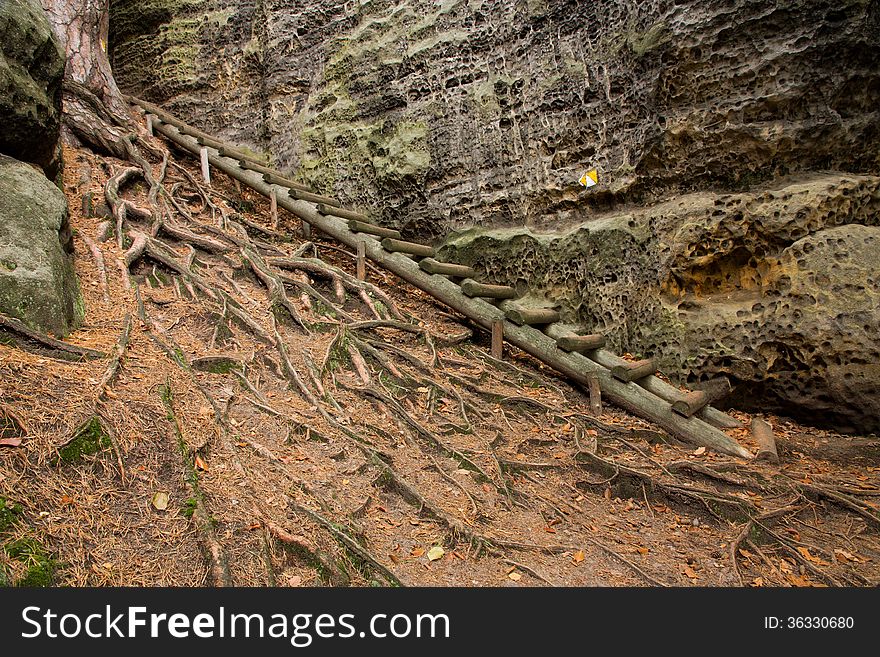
[94, 111]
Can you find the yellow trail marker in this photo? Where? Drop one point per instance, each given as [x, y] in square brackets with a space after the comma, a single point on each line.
[590, 178]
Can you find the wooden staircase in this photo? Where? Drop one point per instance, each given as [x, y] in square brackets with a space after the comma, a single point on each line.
[580, 357]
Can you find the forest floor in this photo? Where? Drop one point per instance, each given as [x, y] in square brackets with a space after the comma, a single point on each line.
[360, 435]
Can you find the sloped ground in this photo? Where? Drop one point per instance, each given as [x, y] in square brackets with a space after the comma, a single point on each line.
[342, 433]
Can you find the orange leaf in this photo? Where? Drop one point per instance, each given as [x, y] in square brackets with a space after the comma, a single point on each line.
[418, 551]
[642, 550]
[200, 463]
[578, 556]
[690, 572]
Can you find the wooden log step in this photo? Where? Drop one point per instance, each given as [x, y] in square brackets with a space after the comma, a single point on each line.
[694, 401]
[524, 315]
[581, 343]
[446, 268]
[473, 289]
[209, 142]
[311, 197]
[399, 246]
[342, 213]
[356, 226]
[634, 371]
[762, 432]
[245, 161]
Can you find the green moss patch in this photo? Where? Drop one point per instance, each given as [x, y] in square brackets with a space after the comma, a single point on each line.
[40, 567]
[90, 438]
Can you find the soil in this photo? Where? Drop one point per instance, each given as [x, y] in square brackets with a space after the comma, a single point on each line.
[384, 454]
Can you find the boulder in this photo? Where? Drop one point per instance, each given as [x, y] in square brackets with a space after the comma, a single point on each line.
[31, 71]
[37, 281]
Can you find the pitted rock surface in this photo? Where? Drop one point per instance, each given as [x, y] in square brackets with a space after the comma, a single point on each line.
[481, 112]
[779, 290]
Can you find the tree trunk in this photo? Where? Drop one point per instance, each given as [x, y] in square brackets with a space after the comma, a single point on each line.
[94, 111]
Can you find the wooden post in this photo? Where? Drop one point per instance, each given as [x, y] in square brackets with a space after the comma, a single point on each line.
[206, 168]
[273, 208]
[497, 339]
[306, 230]
[150, 125]
[361, 264]
[595, 394]
[763, 435]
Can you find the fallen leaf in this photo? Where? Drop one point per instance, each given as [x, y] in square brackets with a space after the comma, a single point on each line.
[394, 558]
[294, 580]
[805, 552]
[608, 494]
[253, 526]
[160, 501]
[642, 550]
[515, 576]
[10, 442]
[417, 551]
[435, 553]
[200, 463]
[758, 581]
[800, 582]
[578, 556]
[843, 556]
[66, 500]
[699, 451]
[690, 572]
[785, 566]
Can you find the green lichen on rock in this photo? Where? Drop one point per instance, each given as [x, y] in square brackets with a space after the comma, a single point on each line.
[391, 151]
[89, 439]
[37, 281]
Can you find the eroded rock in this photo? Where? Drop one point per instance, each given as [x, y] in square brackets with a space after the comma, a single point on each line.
[37, 281]
[780, 290]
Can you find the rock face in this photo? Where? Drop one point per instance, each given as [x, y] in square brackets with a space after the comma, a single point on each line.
[779, 290]
[37, 281]
[31, 71]
[451, 113]
[737, 144]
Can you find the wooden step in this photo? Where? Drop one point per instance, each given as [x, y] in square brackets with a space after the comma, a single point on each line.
[581, 343]
[446, 268]
[311, 197]
[694, 401]
[473, 289]
[399, 246]
[523, 314]
[343, 213]
[356, 226]
[634, 371]
[273, 178]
